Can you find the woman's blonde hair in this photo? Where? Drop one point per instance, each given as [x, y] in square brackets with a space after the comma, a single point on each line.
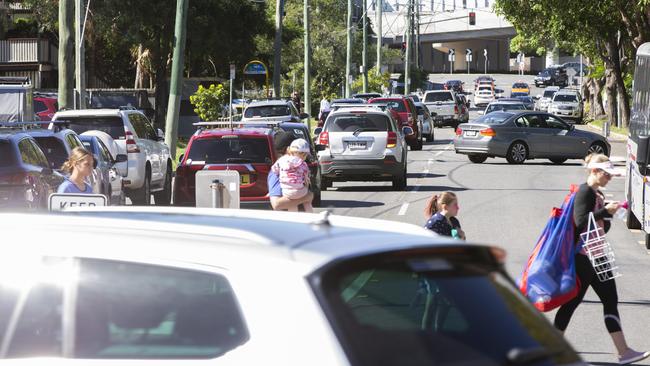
[78, 154]
[436, 201]
[596, 158]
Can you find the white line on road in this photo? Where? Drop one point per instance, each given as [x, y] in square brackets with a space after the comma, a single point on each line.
[642, 242]
[402, 210]
[636, 231]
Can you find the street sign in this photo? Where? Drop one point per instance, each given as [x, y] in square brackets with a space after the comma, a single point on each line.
[468, 55]
[255, 68]
[232, 71]
[63, 201]
[485, 52]
[452, 55]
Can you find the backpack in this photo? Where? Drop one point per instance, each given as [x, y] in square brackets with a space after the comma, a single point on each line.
[549, 279]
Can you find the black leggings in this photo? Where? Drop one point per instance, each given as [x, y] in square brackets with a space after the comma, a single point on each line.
[606, 291]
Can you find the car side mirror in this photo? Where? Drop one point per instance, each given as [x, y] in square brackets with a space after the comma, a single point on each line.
[121, 158]
[304, 115]
[318, 130]
[161, 134]
[407, 131]
[321, 147]
[537, 97]
[642, 152]
[180, 158]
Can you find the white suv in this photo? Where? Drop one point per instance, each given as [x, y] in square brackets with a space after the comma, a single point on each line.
[567, 104]
[273, 110]
[362, 144]
[149, 166]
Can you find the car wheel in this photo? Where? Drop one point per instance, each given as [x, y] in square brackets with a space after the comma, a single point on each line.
[517, 153]
[418, 142]
[597, 148]
[477, 158]
[325, 183]
[399, 183]
[164, 197]
[142, 196]
[316, 202]
[557, 160]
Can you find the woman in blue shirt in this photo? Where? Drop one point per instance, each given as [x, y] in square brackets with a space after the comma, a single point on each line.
[441, 211]
[79, 166]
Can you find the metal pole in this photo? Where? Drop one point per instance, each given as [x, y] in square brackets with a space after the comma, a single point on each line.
[217, 193]
[417, 35]
[364, 58]
[66, 50]
[407, 58]
[80, 64]
[581, 73]
[307, 61]
[230, 104]
[380, 14]
[277, 47]
[173, 107]
[348, 54]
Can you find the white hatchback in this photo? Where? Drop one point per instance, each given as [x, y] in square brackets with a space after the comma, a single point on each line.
[140, 286]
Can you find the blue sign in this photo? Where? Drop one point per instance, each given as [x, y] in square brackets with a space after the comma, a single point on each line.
[255, 68]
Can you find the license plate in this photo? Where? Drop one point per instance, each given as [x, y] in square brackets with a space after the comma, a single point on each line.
[245, 179]
[356, 145]
[470, 133]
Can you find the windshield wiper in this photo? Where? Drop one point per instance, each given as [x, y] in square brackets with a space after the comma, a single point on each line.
[238, 160]
[359, 130]
[524, 356]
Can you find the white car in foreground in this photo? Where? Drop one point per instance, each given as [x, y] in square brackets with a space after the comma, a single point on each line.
[145, 286]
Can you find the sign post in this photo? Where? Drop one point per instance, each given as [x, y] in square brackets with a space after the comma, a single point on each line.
[232, 80]
[468, 58]
[452, 58]
[485, 55]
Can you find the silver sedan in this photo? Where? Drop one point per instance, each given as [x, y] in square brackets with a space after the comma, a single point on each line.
[526, 135]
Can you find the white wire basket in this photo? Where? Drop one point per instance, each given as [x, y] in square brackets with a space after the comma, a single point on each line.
[600, 252]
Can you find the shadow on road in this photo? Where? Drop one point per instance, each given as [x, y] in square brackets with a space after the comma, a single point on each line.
[363, 189]
[423, 175]
[348, 204]
[439, 142]
[499, 161]
[440, 189]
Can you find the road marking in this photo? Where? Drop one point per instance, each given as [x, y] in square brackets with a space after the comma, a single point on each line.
[642, 242]
[635, 231]
[402, 210]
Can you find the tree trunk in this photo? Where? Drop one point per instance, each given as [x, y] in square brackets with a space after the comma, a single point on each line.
[160, 58]
[610, 93]
[617, 74]
[139, 72]
[598, 109]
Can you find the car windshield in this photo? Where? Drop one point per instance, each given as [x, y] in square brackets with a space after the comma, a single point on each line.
[438, 310]
[438, 97]
[526, 99]
[549, 93]
[54, 150]
[230, 150]
[113, 126]
[354, 122]
[267, 111]
[396, 105]
[7, 154]
[495, 118]
[520, 86]
[504, 107]
[565, 98]
[545, 73]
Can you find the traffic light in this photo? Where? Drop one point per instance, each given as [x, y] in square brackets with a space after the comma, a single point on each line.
[472, 18]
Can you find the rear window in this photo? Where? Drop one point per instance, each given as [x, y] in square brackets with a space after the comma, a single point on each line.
[505, 107]
[495, 118]
[121, 310]
[267, 111]
[230, 150]
[54, 150]
[7, 154]
[39, 106]
[438, 97]
[362, 122]
[549, 93]
[396, 105]
[520, 85]
[439, 310]
[113, 126]
[565, 98]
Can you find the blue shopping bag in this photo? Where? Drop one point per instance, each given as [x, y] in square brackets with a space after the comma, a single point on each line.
[549, 278]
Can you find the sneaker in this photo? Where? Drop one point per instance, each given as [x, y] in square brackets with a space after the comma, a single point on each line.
[631, 356]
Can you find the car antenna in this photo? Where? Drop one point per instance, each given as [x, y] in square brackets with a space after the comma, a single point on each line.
[323, 219]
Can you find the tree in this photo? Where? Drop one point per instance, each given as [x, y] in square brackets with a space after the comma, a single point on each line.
[376, 83]
[208, 102]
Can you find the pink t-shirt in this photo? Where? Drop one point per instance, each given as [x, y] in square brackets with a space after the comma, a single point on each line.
[292, 171]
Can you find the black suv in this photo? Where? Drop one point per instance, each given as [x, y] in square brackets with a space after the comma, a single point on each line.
[552, 76]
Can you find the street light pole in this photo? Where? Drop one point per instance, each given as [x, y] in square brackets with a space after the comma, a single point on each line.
[348, 55]
[407, 57]
[277, 47]
[380, 12]
[364, 60]
[307, 64]
[80, 64]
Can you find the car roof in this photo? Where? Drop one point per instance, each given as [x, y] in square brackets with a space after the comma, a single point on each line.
[552, 88]
[272, 102]
[239, 131]
[361, 109]
[42, 132]
[94, 112]
[507, 102]
[194, 235]
[348, 100]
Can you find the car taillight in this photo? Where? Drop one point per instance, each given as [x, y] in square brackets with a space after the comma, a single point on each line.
[324, 138]
[456, 109]
[391, 140]
[488, 132]
[131, 145]
[459, 131]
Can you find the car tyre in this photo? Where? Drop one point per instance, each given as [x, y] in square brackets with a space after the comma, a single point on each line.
[597, 148]
[477, 158]
[325, 183]
[418, 142]
[316, 202]
[164, 197]
[142, 196]
[399, 183]
[558, 160]
[517, 153]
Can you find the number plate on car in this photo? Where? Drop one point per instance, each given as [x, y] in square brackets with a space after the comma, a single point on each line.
[470, 133]
[245, 179]
[356, 145]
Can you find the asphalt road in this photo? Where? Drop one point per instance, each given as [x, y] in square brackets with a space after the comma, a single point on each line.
[508, 206]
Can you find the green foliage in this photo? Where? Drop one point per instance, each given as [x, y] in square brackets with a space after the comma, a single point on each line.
[208, 102]
[375, 82]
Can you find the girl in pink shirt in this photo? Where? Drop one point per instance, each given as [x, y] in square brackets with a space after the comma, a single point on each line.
[294, 173]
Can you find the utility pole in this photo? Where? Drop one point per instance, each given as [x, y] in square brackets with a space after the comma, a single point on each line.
[173, 106]
[80, 62]
[348, 55]
[364, 60]
[380, 15]
[277, 47]
[307, 62]
[407, 57]
[66, 52]
[417, 35]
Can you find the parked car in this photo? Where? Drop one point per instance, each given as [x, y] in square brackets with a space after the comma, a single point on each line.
[149, 166]
[544, 100]
[232, 287]
[484, 96]
[408, 116]
[445, 105]
[426, 121]
[504, 106]
[484, 79]
[273, 110]
[26, 179]
[365, 144]
[366, 96]
[552, 76]
[526, 135]
[45, 107]
[499, 93]
[57, 145]
[109, 182]
[463, 107]
[520, 88]
[567, 104]
[415, 98]
[454, 85]
[528, 101]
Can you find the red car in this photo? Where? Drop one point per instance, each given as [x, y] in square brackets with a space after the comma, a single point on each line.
[248, 150]
[408, 116]
[45, 107]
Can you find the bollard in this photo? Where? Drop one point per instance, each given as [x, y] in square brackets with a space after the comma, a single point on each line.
[217, 193]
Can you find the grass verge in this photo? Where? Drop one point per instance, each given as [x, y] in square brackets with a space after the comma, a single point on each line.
[599, 123]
